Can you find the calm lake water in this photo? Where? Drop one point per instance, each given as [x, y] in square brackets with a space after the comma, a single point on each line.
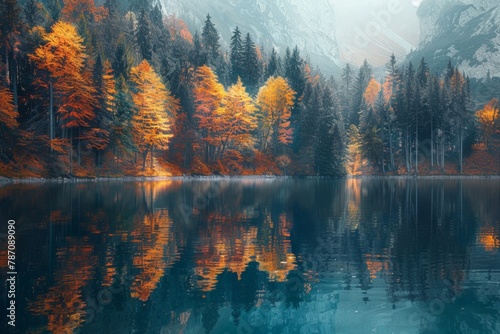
[256, 256]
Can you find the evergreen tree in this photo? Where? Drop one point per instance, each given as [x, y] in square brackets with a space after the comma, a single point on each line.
[236, 56]
[272, 67]
[347, 87]
[362, 81]
[250, 74]
[143, 35]
[330, 144]
[210, 41]
[198, 56]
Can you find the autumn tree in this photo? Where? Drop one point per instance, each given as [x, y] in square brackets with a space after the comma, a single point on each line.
[237, 118]
[275, 100]
[488, 119]
[208, 94]
[74, 8]
[156, 109]
[8, 115]
[371, 92]
[63, 57]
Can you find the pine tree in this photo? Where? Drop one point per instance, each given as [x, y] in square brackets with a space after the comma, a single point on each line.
[210, 41]
[362, 81]
[272, 67]
[250, 73]
[121, 60]
[330, 143]
[143, 35]
[236, 55]
[198, 56]
[347, 86]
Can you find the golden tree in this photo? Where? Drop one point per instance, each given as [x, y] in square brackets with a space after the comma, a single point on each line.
[488, 118]
[371, 92]
[155, 110]
[208, 95]
[237, 118]
[275, 100]
[63, 57]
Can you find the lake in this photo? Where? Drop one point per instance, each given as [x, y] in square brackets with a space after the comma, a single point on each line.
[256, 256]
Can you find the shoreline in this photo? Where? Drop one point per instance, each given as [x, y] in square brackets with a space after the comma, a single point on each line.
[6, 180]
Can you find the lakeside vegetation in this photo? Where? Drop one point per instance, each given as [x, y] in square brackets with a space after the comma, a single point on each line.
[122, 90]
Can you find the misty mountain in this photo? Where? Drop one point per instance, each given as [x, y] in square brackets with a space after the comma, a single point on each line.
[466, 31]
[283, 23]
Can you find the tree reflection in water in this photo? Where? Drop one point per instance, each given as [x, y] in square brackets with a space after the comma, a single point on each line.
[266, 255]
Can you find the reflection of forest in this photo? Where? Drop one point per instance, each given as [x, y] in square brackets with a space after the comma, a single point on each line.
[300, 253]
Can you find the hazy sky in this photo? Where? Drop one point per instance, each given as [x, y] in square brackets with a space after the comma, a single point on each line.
[376, 28]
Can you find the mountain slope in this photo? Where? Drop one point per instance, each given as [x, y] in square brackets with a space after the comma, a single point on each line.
[466, 32]
[309, 24]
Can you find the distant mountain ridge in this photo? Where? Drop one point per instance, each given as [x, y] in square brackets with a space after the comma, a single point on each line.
[309, 24]
[467, 32]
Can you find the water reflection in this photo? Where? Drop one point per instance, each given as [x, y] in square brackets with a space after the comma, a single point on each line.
[258, 256]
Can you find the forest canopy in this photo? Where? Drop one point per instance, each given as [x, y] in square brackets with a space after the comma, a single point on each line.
[122, 89]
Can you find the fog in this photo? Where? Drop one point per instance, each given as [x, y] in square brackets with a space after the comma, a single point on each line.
[374, 29]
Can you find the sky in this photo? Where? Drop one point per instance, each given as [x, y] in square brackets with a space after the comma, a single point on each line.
[375, 29]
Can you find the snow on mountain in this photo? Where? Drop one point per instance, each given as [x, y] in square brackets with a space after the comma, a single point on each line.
[309, 24]
[467, 32]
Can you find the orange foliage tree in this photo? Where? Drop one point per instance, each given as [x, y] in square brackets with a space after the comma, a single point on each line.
[156, 109]
[275, 100]
[237, 118]
[488, 119]
[208, 95]
[74, 8]
[371, 92]
[63, 57]
[8, 116]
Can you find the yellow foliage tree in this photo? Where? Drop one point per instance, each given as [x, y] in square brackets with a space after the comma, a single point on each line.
[488, 118]
[275, 100]
[208, 95]
[237, 118]
[156, 109]
[371, 92]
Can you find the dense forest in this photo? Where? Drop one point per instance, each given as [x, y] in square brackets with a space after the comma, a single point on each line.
[122, 89]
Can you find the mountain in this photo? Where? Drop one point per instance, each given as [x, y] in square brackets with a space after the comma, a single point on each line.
[309, 24]
[467, 32]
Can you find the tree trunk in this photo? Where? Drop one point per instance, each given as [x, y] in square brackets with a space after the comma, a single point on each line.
[51, 114]
[71, 154]
[416, 144]
[79, 148]
[144, 157]
[152, 150]
[432, 142]
[14, 82]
